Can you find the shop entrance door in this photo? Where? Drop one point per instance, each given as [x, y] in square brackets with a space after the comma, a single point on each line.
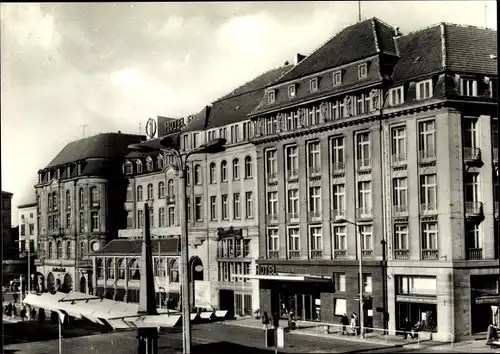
[226, 301]
[304, 307]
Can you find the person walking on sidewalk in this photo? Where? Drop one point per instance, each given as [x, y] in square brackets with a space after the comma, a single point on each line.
[353, 324]
[276, 320]
[344, 321]
[407, 329]
[23, 313]
[265, 321]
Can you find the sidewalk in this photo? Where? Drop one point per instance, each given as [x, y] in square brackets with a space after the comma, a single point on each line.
[373, 338]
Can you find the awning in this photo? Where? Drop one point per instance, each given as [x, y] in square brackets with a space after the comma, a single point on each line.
[286, 277]
[118, 314]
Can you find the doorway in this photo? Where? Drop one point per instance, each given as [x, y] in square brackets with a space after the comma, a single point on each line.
[226, 302]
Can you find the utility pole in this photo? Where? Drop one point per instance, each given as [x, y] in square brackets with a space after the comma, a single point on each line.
[83, 129]
[485, 15]
[359, 10]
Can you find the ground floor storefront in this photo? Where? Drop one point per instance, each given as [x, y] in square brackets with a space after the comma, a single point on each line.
[321, 291]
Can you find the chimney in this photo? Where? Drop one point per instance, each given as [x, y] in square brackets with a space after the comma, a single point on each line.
[298, 58]
[397, 34]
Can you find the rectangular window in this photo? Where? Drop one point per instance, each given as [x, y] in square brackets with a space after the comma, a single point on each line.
[313, 84]
[429, 236]
[416, 285]
[130, 220]
[362, 71]
[68, 221]
[315, 202]
[171, 216]
[140, 218]
[470, 135]
[151, 217]
[236, 206]
[427, 139]
[161, 217]
[366, 237]
[340, 307]
[314, 157]
[398, 145]
[364, 199]
[82, 223]
[316, 239]
[424, 89]
[94, 217]
[471, 186]
[130, 194]
[293, 204]
[213, 208]
[359, 104]
[468, 87]
[225, 214]
[401, 237]
[400, 195]
[292, 161]
[196, 140]
[249, 205]
[270, 96]
[337, 154]
[245, 130]
[396, 96]
[273, 240]
[337, 78]
[340, 283]
[367, 281]
[291, 91]
[428, 193]
[363, 150]
[272, 204]
[188, 211]
[185, 142]
[271, 164]
[339, 238]
[198, 211]
[338, 200]
[293, 240]
[473, 237]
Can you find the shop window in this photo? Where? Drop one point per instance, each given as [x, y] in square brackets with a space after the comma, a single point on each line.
[408, 285]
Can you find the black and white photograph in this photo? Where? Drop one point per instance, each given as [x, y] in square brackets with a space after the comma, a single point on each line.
[250, 177]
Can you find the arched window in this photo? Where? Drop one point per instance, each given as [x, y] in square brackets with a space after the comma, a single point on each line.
[59, 250]
[139, 193]
[94, 196]
[81, 200]
[133, 270]
[170, 188]
[236, 169]
[197, 174]
[122, 265]
[49, 201]
[54, 200]
[139, 166]
[161, 190]
[99, 268]
[223, 171]
[110, 269]
[127, 168]
[213, 173]
[68, 250]
[161, 162]
[248, 167]
[174, 271]
[68, 199]
[150, 191]
[188, 175]
[162, 268]
[149, 164]
[51, 250]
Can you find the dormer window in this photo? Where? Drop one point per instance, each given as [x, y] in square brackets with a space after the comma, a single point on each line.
[313, 84]
[139, 166]
[58, 173]
[337, 78]
[424, 89]
[127, 168]
[362, 71]
[396, 96]
[161, 162]
[68, 172]
[79, 169]
[271, 96]
[149, 164]
[291, 91]
[468, 87]
[185, 141]
[493, 88]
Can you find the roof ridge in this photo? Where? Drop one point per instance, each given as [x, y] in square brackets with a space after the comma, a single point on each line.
[443, 45]
[375, 35]
[383, 22]
[468, 26]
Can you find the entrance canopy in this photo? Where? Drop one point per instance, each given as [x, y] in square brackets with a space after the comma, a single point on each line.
[286, 277]
[118, 314]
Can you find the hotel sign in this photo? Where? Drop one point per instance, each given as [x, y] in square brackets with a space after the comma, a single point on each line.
[231, 232]
[174, 125]
[265, 269]
[59, 269]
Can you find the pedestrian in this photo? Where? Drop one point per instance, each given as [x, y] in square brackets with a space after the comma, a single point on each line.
[41, 316]
[353, 324]
[276, 320]
[15, 296]
[14, 311]
[291, 319]
[344, 321]
[23, 313]
[407, 329]
[265, 321]
[33, 314]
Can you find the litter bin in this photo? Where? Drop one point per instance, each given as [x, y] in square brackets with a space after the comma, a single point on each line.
[269, 337]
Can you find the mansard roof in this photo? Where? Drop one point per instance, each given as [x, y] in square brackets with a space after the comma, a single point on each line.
[127, 247]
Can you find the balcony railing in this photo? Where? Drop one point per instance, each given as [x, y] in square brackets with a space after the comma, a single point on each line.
[367, 253]
[338, 167]
[495, 154]
[427, 155]
[293, 254]
[475, 254]
[399, 210]
[402, 254]
[338, 214]
[428, 208]
[364, 163]
[314, 171]
[339, 254]
[496, 209]
[473, 209]
[363, 213]
[472, 154]
[430, 254]
[292, 174]
[314, 215]
[291, 217]
[273, 254]
[272, 176]
[317, 254]
[398, 159]
[271, 218]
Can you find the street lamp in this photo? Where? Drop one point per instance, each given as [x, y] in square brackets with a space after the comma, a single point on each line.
[171, 144]
[361, 283]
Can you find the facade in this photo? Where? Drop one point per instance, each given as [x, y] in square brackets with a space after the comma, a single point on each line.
[395, 139]
[7, 239]
[28, 227]
[80, 199]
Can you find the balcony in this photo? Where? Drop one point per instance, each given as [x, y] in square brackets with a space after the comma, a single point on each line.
[293, 254]
[271, 177]
[496, 210]
[367, 253]
[398, 159]
[273, 254]
[426, 155]
[272, 218]
[472, 154]
[364, 164]
[292, 175]
[402, 254]
[430, 254]
[473, 209]
[474, 254]
[314, 216]
[338, 214]
[339, 254]
[428, 208]
[338, 167]
[495, 155]
[317, 254]
[292, 217]
[170, 199]
[314, 171]
[363, 213]
[400, 210]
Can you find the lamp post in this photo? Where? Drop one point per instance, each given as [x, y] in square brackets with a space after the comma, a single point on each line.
[171, 144]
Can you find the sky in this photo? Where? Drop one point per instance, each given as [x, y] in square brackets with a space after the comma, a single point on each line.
[112, 66]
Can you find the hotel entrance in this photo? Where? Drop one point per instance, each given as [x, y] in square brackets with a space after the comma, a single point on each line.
[305, 306]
